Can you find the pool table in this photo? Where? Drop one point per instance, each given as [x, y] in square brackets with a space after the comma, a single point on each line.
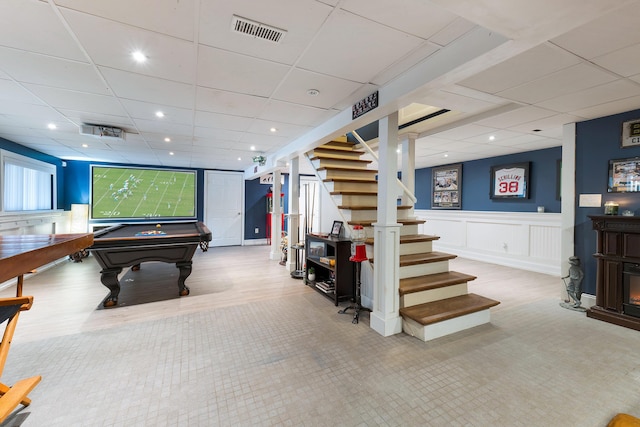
[128, 245]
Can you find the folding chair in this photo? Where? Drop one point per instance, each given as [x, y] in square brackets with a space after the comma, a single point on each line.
[10, 397]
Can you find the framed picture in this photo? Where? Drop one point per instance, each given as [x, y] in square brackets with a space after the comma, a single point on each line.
[624, 175]
[447, 187]
[510, 181]
[630, 134]
[336, 228]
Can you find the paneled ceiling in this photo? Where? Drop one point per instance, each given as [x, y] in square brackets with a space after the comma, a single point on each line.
[512, 72]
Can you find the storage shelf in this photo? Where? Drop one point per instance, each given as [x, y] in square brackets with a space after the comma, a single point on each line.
[342, 272]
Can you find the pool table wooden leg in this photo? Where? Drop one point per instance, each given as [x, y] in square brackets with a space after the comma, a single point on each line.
[185, 271]
[109, 278]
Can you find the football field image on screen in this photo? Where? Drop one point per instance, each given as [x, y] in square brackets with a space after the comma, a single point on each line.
[142, 193]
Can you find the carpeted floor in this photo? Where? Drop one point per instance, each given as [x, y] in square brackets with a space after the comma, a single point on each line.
[294, 361]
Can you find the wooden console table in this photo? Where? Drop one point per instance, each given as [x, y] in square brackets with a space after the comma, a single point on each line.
[618, 243]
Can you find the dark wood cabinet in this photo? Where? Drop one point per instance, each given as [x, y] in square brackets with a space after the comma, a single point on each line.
[618, 245]
[336, 281]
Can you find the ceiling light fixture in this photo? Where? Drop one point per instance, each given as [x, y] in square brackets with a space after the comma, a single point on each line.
[253, 148]
[159, 114]
[139, 56]
[167, 139]
[239, 158]
[85, 145]
[491, 138]
[313, 92]
[446, 155]
[171, 153]
[273, 130]
[52, 126]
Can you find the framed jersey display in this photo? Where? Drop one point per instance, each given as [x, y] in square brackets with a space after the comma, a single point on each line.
[510, 181]
[447, 187]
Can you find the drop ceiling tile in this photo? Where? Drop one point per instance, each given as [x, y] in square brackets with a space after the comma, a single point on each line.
[219, 69]
[332, 90]
[148, 89]
[157, 126]
[609, 108]
[530, 65]
[174, 18]
[14, 92]
[467, 102]
[623, 62]
[456, 29]
[79, 117]
[498, 135]
[594, 96]
[550, 126]
[412, 16]
[465, 132]
[414, 57]
[79, 101]
[167, 57]
[236, 104]
[296, 114]
[610, 32]
[147, 110]
[27, 67]
[222, 121]
[25, 24]
[516, 117]
[301, 21]
[283, 130]
[367, 47]
[217, 134]
[569, 80]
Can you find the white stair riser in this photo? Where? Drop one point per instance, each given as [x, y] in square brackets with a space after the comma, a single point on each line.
[351, 186]
[346, 174]
[415, 248]
[359, 200]
[405, 230]
[415, 298]
[424, 269]
[318, 163]
[368, 215]
[446, 327]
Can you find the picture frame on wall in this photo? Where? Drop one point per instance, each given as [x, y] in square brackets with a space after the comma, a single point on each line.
[510, 181]
[624, 175]
[630, 134]
[447, 187]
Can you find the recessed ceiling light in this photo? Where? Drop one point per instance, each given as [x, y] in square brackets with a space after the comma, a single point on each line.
[171, 153]
[85, 145]
[253, 148]
[239, 158]
[273, 130]
[313, 92]
[159, 114]
[52, 126]
[446, 155]
[167, 139]
[491, 138]
[139, 56]
[537, 130]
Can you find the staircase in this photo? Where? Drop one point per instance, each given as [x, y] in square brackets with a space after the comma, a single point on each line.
[434, 301]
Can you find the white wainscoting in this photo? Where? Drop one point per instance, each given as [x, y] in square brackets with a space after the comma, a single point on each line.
[50, 222]
[530, 241]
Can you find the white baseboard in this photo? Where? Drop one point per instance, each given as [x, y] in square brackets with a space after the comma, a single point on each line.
[254, 242]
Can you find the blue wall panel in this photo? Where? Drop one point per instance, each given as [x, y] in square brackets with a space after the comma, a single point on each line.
[476, 182]
[597, 142]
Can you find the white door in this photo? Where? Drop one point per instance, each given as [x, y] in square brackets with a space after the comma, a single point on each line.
[223, 213]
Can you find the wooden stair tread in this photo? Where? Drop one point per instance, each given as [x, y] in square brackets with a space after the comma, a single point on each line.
[423, 258]
[354, 193]
[433, 281]
[449, 308]
[369, 223]
[334, 150]
[410, 238]
[347, 168]
[368, 208]
[314, 157]
[356, 180]
[339, 145]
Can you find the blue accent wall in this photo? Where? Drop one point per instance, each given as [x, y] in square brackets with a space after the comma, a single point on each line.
[255, 207]
[476, 183]
[5, 144]
[597, 142]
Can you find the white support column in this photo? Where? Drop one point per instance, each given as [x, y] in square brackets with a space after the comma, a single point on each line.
[276, 217]
[293, 224]
[409, 166]
[385, 318]
[568, 197]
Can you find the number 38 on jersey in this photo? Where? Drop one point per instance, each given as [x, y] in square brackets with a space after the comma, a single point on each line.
[510, 182]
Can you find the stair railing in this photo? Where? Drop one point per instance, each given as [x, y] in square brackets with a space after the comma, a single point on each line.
[404, 188]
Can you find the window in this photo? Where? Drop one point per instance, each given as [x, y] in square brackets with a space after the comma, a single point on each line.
[28, 184]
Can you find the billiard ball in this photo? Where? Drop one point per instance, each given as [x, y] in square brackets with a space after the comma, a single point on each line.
[158, 226]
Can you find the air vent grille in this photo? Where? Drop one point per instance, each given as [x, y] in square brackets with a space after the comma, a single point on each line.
[257, 30]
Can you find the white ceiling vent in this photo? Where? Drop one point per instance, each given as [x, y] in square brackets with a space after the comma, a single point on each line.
[101, 131]
[256, 29]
